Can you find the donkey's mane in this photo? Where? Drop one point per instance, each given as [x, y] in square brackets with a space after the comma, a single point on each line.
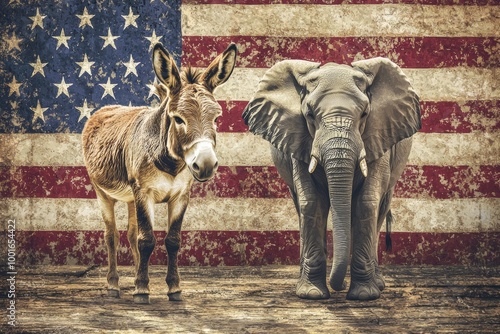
[191, 75]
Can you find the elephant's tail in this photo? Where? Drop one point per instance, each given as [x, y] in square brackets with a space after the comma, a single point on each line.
[388, 221]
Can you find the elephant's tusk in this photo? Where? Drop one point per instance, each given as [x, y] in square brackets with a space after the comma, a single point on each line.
[364, 167]
[313, 164]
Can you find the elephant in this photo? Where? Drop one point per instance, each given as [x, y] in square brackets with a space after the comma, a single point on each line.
[340, 138]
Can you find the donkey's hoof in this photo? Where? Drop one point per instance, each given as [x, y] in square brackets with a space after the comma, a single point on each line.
[115, 293]
[175, 297]
[141, 298]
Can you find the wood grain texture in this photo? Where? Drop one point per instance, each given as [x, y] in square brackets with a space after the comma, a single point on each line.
[424, 299]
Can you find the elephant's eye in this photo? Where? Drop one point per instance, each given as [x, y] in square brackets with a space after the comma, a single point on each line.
[310, 115]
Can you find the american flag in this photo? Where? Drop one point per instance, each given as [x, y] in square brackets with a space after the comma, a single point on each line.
[62, 60]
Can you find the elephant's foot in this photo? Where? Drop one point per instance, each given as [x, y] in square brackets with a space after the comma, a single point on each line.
[379, 281]
[363, 290]
[308, 290]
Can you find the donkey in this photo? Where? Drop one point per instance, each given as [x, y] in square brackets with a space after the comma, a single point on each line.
[143, 156]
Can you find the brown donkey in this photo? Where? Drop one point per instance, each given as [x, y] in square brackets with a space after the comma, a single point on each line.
[144, 156]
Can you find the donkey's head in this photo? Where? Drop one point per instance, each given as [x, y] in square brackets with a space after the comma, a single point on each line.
[191, 110]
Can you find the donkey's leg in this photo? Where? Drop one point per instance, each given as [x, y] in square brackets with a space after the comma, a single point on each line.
[176, 210]
[132, 233]
[144, 207]
[112, 238]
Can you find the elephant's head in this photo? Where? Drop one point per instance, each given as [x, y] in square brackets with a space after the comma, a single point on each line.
[340, 117]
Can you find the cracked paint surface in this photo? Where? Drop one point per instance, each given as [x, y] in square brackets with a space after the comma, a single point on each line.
[447, 202]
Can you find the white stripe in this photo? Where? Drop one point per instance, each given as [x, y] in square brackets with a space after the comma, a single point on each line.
[250, 214]
[437, 84]
[343, 21]
[246, 149]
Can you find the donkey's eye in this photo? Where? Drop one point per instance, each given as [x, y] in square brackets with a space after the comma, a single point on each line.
[178, 120]
[310, 115]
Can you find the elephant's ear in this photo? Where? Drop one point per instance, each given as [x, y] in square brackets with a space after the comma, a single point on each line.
[275, 114]
[395, 109]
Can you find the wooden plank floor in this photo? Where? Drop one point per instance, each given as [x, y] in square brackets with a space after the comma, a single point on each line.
[70, 299]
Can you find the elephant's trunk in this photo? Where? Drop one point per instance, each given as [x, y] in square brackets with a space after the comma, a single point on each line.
[339, 163]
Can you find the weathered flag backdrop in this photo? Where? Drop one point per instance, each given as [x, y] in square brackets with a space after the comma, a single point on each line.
[62, 60]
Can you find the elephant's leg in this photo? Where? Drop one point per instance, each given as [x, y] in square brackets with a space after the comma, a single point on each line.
[366, 221]
[384, 214]
[112, 238]
[363, 284]
[399, 154]
[313, 212]
[176, 210]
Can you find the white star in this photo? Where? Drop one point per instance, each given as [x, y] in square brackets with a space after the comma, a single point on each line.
[37, 19]
[85, 19]
[130, 19]
[153, 39]
[62, 88]
[152, 88]
[62, 39]
[131, 66]
[14, 87]
[14, 105]
[84, 111]
[13, 42]
[85, 65]
[108, 89]
[38, 67]
[109, 40]
[38, 112]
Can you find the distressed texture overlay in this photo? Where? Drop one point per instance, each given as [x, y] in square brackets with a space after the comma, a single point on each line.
[62, 60]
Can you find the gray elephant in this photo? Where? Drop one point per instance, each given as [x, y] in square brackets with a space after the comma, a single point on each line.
[341, 137]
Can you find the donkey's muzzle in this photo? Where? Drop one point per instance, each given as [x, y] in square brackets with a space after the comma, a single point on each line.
[202, 161]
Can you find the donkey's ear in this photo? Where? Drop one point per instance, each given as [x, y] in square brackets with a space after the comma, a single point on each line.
[221, 68]
[395, 109]
[165, 68]
[275, 111]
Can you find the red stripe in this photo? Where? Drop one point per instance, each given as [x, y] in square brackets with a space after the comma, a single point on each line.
[409, 52]
[45, 182]
[231, 120]
[343, 2]
[437, 117]
[445, 182]
[465, 117]
[440, 182]
[233, 248]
